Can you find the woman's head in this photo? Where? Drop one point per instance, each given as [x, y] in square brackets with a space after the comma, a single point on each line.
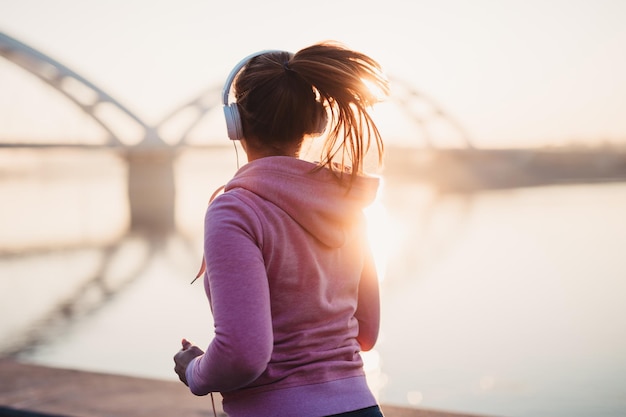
[283, 97]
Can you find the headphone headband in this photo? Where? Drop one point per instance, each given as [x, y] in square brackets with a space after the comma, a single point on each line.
[231, 112]
[233, 73]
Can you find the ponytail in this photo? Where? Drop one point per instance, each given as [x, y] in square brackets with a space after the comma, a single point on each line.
[347, 83]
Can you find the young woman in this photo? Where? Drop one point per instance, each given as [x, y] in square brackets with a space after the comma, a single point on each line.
[289, 275]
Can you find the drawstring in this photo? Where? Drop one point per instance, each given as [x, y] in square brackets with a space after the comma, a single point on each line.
[201, 271]
[203, 265]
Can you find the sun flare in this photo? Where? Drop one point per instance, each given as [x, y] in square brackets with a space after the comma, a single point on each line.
[382, 234]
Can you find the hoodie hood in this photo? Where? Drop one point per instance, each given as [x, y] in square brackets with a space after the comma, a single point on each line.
[315, 199]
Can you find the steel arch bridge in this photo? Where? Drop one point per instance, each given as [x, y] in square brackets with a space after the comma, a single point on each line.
[90, 98]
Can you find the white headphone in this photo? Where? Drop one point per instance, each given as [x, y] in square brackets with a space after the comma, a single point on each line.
[231, 112]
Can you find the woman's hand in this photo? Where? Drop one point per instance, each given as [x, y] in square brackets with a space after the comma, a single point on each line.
[183, 357]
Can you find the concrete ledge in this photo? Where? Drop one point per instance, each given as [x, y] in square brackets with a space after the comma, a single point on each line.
[39, 391]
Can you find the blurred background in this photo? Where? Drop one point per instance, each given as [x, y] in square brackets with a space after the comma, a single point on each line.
[499, 230]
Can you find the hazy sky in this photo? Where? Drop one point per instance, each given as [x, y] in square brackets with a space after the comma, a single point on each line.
[512, 72]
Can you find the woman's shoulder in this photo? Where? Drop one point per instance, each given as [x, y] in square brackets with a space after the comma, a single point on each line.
[236, 206]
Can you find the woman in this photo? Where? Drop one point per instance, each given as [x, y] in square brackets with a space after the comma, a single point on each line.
[289, 276]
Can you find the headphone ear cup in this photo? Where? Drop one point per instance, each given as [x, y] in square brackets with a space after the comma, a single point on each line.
[233, 121]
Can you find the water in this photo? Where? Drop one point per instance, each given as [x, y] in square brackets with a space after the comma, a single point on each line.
[508, 303]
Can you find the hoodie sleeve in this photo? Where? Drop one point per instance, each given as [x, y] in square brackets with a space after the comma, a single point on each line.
[368, 307]
[239, 294]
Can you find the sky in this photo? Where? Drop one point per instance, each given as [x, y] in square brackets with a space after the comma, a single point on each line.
[512, 73]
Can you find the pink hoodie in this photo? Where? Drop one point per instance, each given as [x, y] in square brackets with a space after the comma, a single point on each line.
[293, 291]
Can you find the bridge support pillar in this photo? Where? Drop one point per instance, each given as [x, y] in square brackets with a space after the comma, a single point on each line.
[151, 191]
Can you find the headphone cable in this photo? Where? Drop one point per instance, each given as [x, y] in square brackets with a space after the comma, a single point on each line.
[236, 153]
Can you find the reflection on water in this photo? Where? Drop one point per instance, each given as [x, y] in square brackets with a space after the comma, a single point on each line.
[507, 303]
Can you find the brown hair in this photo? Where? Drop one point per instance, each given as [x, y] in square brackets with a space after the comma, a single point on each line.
[283, 97]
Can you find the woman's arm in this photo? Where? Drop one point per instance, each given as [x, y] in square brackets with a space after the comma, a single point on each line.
[239, 294]
[368, 308]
